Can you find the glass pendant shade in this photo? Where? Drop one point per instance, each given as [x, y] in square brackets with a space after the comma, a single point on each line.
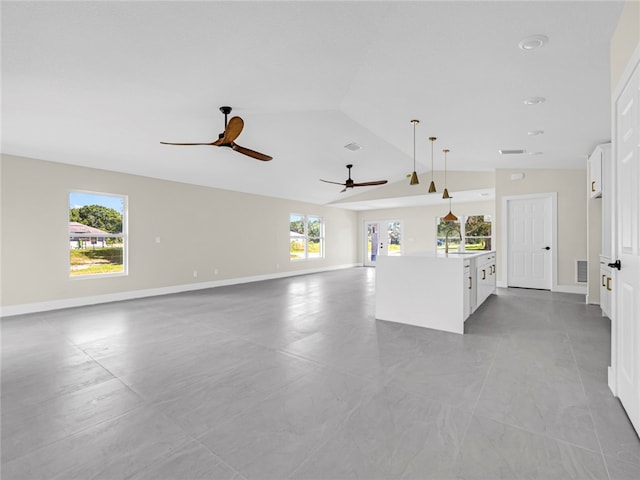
[432, 185]
[414, 175]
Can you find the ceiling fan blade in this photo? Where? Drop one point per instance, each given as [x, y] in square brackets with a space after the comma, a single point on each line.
[234, 128]
[369, 184]
[335, 183]
[170, 143]
[343, 190]
[250, 153]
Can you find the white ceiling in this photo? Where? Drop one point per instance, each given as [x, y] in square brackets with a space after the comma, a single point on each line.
[100, 84]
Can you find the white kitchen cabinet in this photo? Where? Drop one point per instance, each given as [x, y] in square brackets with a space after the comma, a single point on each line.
[485, 277]
[432, 290]
[595, 173]
[607, 200]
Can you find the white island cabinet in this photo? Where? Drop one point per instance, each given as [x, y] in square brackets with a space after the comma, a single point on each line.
[432, 291]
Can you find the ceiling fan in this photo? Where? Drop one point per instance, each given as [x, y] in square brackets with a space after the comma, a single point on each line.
[350, 183]
[232, 130]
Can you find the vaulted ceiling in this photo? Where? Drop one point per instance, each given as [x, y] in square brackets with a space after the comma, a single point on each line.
[100, 84]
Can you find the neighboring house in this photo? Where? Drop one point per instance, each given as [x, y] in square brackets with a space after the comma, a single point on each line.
[97, 238]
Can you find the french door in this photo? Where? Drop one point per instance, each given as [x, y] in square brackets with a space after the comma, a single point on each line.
[381, 238]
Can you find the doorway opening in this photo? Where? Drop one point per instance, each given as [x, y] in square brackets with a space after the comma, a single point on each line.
[381, 238]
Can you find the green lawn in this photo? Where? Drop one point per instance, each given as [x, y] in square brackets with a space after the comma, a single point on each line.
[92, 261]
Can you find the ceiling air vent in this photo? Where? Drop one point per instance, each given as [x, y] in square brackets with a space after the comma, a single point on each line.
[353, 146]
[515, 151]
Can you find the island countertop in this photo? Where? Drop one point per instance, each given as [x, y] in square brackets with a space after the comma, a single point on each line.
[433, 290]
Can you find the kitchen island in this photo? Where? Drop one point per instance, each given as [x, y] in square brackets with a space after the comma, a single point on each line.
[434, 290]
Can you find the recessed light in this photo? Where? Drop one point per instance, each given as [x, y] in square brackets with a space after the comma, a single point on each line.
[534, 100]
[353, 146]
[535, 133]
[514, 151]
[531, 43]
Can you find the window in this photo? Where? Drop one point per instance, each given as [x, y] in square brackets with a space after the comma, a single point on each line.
[470, 233]
[306, 237]
[97, 234]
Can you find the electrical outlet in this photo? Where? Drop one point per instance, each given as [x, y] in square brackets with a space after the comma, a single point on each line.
[215, 272]
[195, 274]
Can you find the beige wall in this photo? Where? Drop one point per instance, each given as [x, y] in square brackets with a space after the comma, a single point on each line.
[572, 214]
[200, 229]
[418, 223]
[625, 40]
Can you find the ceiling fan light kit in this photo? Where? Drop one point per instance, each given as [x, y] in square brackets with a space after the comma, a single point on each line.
[232, 130]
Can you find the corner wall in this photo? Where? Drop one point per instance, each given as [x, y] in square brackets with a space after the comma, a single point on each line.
[203, 229]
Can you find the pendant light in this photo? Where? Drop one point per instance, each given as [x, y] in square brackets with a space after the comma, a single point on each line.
[445, 194]
[450, 217]
[414, 175]
[432, 186]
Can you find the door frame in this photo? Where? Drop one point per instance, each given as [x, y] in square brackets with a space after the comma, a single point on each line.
[613, 370]
[365, 237]
[552, 223]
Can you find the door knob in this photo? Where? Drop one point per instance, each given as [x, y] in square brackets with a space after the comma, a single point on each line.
[615, 264]
[546, 248]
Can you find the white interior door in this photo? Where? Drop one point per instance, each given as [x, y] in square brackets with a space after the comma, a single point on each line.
[626, 314]
[530, 242]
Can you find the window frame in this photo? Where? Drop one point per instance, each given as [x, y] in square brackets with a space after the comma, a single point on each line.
[124, 235]
[462, 222]
[307, 237]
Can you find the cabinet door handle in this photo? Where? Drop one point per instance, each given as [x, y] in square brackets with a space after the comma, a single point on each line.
[593, 186]
[470, 282]
[484, 274]
[603, 281]
[609, 284]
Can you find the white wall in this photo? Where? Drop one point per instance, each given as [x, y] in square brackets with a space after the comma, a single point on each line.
[625, 40]
[200, 228]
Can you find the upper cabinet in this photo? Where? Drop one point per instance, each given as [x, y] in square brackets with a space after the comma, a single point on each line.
[595, 172]
[606, 181]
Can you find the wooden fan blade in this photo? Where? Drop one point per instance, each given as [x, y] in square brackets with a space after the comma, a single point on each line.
[169, 143]
[335, 183]
[250, 153]
[234, 128]
[369, 184]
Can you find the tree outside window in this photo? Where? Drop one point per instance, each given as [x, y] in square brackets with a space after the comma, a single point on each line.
[97, 234]
[306, 237]
[468, 233]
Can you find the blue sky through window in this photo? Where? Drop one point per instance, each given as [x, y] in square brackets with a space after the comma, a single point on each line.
[78, 199]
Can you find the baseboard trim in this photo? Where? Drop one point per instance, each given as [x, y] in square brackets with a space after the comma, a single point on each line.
[579, 289]
[26, 308]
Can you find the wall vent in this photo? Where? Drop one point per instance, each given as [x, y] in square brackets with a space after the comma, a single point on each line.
[582, 271]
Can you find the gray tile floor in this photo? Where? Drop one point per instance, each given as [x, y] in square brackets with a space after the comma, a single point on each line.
[294, 378]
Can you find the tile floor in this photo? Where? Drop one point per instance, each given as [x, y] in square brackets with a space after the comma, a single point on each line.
[294, 378]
